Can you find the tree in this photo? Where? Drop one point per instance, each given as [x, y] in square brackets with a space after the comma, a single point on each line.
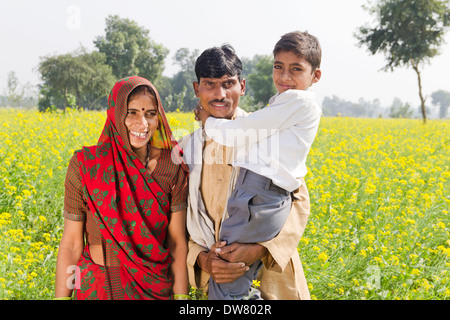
[261, 80]
[17, 95]
[75, 78]
[441, 98]
[336, 106]
[249, 64]
[249, 67]
[12, 90]
[183, 95]
[130, 51]
[371, 108]
[164, 87]
[409, 33]
[399, 110]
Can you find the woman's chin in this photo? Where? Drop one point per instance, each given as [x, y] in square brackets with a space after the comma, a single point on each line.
[137, 143]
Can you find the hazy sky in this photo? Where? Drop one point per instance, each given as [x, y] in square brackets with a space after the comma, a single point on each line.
[32, 29]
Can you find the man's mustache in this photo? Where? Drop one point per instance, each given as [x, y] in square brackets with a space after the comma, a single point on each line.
[226, 101]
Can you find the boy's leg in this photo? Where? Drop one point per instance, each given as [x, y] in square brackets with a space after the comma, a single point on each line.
[257, 210]
[236, 290]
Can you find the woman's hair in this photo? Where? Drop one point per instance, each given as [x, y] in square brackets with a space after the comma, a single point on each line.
[142, 89]
[302, 44]
[217, 62]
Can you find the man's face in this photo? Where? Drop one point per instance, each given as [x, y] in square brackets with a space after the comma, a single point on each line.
[220, 96]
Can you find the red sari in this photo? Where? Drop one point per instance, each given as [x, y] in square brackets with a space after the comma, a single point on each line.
[130, 208]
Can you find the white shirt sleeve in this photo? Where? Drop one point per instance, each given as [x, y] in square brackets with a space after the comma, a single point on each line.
[288, 109]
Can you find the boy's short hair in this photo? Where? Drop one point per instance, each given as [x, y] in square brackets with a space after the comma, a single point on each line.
[302, 44]
[217, 62]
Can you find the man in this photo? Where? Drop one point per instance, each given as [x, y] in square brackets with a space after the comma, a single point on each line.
[219, 87]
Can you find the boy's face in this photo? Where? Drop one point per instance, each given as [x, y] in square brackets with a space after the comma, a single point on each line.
[220, 96]
[291, 71]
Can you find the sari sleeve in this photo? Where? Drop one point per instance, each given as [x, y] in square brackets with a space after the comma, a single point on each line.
[179, 191]
[74, 203]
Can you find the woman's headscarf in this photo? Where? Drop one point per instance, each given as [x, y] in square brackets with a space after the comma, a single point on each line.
[129, 206]
[117, 112]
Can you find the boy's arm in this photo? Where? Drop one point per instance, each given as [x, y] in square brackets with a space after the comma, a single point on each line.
[293, 107]
[201, 114]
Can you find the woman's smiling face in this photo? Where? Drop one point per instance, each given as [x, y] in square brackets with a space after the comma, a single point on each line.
[142, 119]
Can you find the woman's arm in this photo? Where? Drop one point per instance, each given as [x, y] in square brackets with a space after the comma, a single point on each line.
[177, 243]
[70, 249]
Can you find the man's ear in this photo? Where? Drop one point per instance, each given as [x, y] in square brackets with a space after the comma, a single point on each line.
[243, 87]
[195, 85]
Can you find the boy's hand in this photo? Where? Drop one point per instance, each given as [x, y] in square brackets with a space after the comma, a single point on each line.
[201, 114]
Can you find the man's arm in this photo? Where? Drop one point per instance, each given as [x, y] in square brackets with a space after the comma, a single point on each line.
[202, 264]
[220, 270]
[248, 253]
[198, 279]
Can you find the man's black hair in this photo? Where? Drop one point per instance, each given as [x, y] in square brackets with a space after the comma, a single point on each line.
[217, 62]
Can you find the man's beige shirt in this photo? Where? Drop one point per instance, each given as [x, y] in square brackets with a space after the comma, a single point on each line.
[282, 277]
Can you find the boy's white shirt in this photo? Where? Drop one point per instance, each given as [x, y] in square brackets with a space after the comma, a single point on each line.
[273, 141]
[198, 221]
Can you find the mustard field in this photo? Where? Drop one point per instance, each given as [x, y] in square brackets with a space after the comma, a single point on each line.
[378, 229]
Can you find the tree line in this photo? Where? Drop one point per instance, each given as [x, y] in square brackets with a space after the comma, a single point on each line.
[337, 107]
[84, 79]
[407, 33]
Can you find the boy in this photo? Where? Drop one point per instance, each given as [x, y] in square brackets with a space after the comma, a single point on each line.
[261, 200]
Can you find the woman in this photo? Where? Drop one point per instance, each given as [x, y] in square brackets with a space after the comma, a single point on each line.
[126, 197]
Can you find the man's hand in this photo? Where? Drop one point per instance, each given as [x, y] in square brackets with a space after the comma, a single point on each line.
[220, 270]
[248, 253]
[201, 114]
